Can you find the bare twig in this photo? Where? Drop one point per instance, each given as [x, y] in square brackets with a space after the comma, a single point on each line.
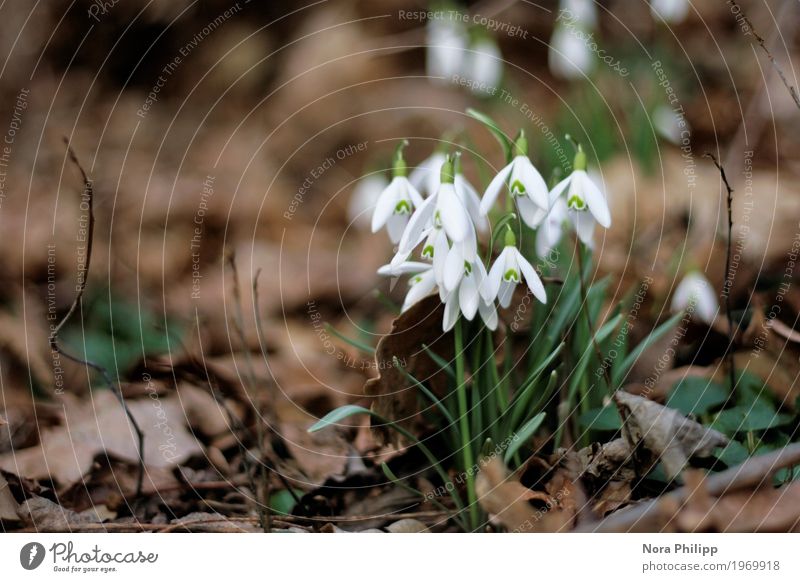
[260, 488]
[88, 198]
[763, 45]
[728, 285]
[754, 472]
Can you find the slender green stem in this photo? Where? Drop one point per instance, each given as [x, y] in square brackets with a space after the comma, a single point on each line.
[463, 419]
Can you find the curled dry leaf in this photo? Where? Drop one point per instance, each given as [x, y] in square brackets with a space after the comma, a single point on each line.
[507, 500]
[66, 452]
[393, 396]
[666, 432]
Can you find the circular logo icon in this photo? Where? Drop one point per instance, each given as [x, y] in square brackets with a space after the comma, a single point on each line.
[31, 555]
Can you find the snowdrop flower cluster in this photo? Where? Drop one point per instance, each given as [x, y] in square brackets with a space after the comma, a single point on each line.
[443, 229]
[451, 54]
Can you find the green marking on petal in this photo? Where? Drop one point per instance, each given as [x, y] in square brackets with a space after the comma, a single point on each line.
[437, 219]
[467, 268]
[576, 202]
[427, 252]
[512, 275]
[403, 207]
[517, 188]
[415, 279]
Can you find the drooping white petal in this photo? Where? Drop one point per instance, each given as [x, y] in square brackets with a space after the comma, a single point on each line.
[594, 199]
[468, 296]
[440, 252]
[395, 227]
[453, 268]
[497, 183]
[531, 278]
[418, 225]
[491, 284]
[696, 293]
[420, 289]
[452, 213]
[451, 310]
[385, 206]
[488, 314]
[559, 188]
[364, 199]
[531, 214]
[403, 269]
[535, 186]
[471, 201]
[583, 222]
[505, 293]
[469, 246]
[552, 229]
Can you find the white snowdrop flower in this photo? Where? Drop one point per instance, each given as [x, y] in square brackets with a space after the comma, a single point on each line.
[549, 233]
[672, 11]
[397, 201]
[695, 294]
[525, 184]
[507, 272]
[569, 56]
[466, 299]
[446, 41]
[421, 283]
[668, 125]
[586, 204]
[483, 66]
[426, 176]
[364, 197]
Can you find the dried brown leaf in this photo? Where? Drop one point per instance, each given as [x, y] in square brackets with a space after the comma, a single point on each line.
[666, 432]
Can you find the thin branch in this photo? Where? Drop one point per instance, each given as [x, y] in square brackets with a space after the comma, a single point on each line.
[763, 45]
[260, 489]
[728, 276]
[55, 346]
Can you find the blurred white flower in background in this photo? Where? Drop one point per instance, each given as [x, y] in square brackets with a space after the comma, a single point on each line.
[426, 176]
[667, 125]
[363, 199]
[446, 40]
[695, 294]
[483, 65]
[672, 11]
[569, 55]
